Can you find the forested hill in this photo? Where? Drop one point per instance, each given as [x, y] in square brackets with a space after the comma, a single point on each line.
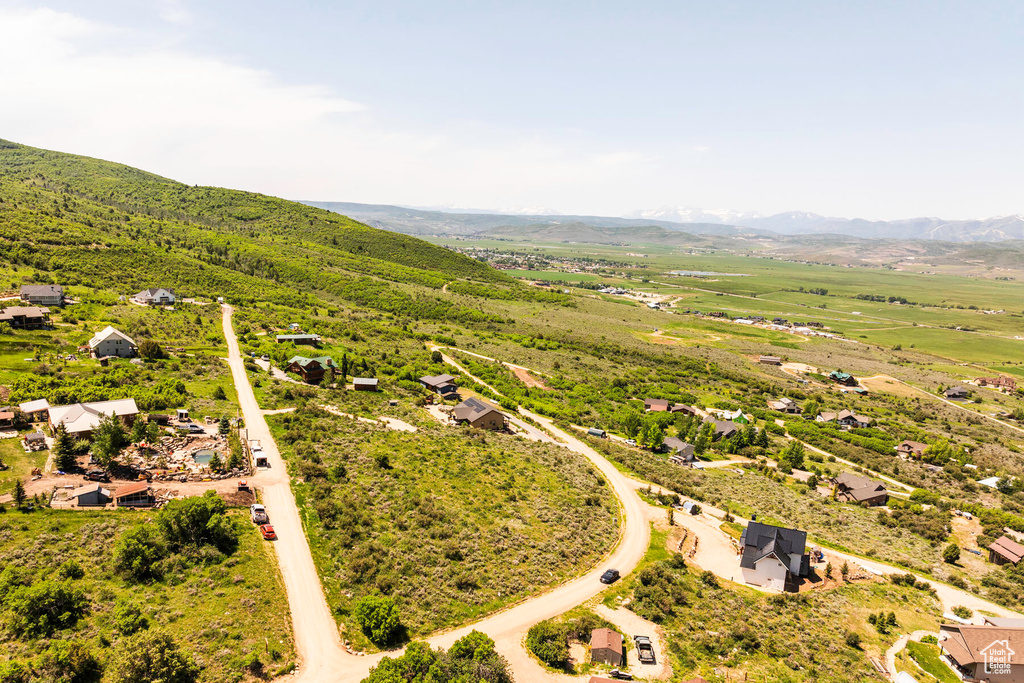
[97, 223]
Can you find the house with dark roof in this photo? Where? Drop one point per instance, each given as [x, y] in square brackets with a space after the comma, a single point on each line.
[723, 428]
[911, 449]
[989, 654]
[479, 414]
[311, 370]
[957, 393]
[774, 557]
[852, 488]
[440, 384]
[26, 317]
[1005, 550]
[681, 452]
[43, 295]
[840, 377]
[606, 647]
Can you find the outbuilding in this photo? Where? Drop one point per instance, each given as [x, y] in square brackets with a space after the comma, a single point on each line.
[606, 647]
[90, 495]
[365, 384]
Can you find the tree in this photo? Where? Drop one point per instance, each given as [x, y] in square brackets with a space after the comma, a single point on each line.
[137, 552]
[140, 431]
[150, 350]
[44, 607]
[762, 438]
[344, 366]
[215, 464]
[329, 377]
[219, 394]
[828, 570]
[951, 553]
[549, 642]
[793, 455]
[671, 517]
[128, 618]
[150, 657]
[64, 449]
[224, 426]
[190, 523]
[66, 661]
[435, 357]
[108, 440]
[631, 422]
[19, 494]
[378, 618]
[845, 570]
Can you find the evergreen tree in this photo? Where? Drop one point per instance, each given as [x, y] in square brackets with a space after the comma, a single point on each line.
[109, 440]
[19, 493]
[63, 449]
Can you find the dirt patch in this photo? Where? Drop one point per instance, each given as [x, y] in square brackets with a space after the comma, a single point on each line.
[528, 379]
[887, 385]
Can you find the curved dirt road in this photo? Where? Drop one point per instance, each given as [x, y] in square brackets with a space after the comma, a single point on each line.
[317, 641]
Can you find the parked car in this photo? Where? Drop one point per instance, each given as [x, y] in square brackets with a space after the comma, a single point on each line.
[268, 532]
[621, 675]
[97, 475]
[644, 649]
[610, 576]
[258, 513]
[630, 442]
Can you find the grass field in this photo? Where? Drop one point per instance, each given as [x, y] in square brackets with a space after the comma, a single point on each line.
[555, 275]
[927, 657]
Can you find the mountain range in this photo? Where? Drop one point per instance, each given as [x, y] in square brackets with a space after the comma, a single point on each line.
[993, 229]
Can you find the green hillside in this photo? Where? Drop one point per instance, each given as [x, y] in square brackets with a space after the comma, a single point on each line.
[104, 224]
[591, 234]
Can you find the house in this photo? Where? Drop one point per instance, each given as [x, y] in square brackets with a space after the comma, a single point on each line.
[911, 449]
[80, 419]
[769, 360]
[847, 419]
[300, 339]
[956, 393]
[43, 295]
[681, 451]
[785, 405]
[158, 296]
[983, 653]
[479, 414]
[440, 384]
[35, 441]
[26, 317]
[111, 342]
[685, 409]
[724, 429]
[91, 495]
[1002, 383]
[991, 482]
[6, 417]
[134, 496]
[365, 384]
[656, 405]
[1003, 622]
[1005, 550]
[606, 647]
[311, 370]
[774, 556]
[851, 488]
[34, 409]
[840, 377]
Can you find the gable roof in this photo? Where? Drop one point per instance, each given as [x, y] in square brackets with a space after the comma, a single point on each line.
[607, 639]
[761, 540]
[1008, 548]
[912, 446]
[89, 488]
[723, 427]
[656, 404]
[436, 380]
[472, 409]
[84, 417]
[42, 290]
[35, 406]
[677, 444]
[303, 361]
[109, 332]
[968, 643]
[153, 292]
[297, 337]
[131, 489]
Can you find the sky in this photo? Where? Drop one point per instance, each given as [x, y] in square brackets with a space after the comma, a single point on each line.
[874, 110]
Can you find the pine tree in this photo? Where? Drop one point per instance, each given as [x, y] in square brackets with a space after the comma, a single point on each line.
[19, 493]
[64, 449]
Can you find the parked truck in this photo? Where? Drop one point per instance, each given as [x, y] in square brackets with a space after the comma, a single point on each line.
[644, 649]
[259, 514]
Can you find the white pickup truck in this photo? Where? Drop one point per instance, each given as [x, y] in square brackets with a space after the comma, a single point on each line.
[258, 513]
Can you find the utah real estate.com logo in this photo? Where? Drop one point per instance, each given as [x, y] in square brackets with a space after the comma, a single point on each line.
[997, 657]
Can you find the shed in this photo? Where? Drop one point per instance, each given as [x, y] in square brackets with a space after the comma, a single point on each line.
[91, 495]
[182, 414]
[690, 507]
[134, 495]
[606, 646]
[1005, 550]
[365, 383]
[594, 431]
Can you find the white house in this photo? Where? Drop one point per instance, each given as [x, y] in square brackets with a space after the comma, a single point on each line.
[774, 556]
[158, 296]
[80, 419]
[110, 342]
[43, 295]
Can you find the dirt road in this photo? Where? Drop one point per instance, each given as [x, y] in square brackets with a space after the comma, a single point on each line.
[317, 641]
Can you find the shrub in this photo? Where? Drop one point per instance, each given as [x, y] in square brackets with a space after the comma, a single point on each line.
[378, 618]
[65, 661]
[137, 553]
[44, 607]
[150, 657]
[853, 639]
[951, 553]
[128, 618]
[963, 612]
[550, 643]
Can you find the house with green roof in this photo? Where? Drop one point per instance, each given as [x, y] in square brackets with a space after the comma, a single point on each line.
[311, 370]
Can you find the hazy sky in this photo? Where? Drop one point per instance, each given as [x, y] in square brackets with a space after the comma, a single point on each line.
[877, 110]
